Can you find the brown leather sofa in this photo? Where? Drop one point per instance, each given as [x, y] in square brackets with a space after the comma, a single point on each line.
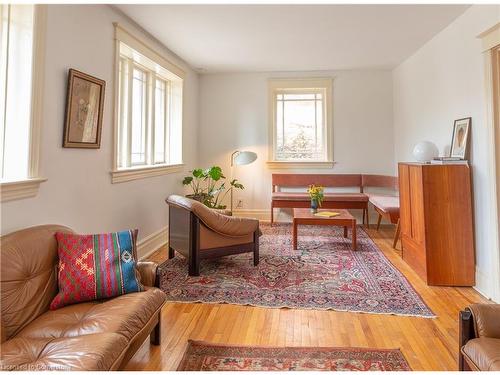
[99, 335]
[198, 232]
[479, 333]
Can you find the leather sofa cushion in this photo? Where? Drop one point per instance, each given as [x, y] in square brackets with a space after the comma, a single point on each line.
[484, 353]
[125, 315]
[330, 197]
[210, 239]
[28, 269]
[99, 351]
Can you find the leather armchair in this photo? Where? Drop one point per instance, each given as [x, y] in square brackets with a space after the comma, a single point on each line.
[198, 232]
[96, 335]
[479, 333]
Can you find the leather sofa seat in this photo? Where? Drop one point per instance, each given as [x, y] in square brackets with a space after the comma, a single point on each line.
[329, 197]
[484, 353]
[125, 315]
[99, 351]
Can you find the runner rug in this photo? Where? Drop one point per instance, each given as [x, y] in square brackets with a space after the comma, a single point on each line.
[201, 356]
[324, 273]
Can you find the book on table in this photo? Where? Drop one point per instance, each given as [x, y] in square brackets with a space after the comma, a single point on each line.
[327, 214]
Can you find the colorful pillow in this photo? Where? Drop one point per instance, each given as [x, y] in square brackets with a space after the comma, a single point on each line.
[93, 267]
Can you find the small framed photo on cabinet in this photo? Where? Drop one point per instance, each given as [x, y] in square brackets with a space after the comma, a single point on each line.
[460, 139]
[84, 110]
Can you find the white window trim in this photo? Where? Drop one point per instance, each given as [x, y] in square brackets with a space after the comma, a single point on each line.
[284, 83]
[27, 188]
[145, 48]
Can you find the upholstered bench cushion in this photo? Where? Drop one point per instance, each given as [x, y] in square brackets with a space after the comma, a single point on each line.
[125, 315]
[99, 351]
[484, 352]
[330, 197]
[385, 203]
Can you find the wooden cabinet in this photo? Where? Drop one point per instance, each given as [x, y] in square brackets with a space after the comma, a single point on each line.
[436, 222]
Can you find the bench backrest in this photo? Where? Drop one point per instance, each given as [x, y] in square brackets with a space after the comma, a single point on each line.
[326, 180]
[380, 181]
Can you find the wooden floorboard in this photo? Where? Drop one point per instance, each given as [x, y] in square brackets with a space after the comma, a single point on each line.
[428, 344]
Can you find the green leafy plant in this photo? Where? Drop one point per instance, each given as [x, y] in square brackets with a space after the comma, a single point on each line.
[209, 186]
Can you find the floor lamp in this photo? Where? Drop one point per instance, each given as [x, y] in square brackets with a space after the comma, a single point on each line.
[241, 158]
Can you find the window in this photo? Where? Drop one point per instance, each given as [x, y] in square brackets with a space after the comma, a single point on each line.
[149, 118]
[20, 67]
[300, 120]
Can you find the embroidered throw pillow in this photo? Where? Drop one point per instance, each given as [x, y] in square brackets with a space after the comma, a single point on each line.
[93, 267]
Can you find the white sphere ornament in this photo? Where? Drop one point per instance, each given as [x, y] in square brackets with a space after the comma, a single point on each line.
[425, 151]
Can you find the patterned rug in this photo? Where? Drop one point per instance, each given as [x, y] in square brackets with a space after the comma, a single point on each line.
[324, 273]
[200, 356]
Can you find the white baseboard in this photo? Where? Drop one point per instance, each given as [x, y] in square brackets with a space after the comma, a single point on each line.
[151, 243]
[484, 282]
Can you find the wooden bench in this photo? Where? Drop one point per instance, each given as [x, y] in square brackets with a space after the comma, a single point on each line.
[333, 200]
[347, 200]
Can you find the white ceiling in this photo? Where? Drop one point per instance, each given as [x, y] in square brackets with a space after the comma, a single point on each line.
[236, 38]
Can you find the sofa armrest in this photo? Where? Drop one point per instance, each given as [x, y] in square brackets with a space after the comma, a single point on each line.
[486, 318]
[148, 273]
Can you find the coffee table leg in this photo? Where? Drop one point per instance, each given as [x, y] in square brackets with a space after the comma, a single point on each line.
[345, 232]
[294, 234]
[354, 244]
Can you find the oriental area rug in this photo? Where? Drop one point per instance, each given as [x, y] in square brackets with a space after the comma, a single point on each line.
[201, 356]
[324, 273]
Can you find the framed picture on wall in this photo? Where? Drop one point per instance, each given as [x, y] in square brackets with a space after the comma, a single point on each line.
[460, 139]
[84, 109]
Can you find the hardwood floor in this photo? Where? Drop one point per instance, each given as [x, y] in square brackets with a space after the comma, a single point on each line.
[428, 344]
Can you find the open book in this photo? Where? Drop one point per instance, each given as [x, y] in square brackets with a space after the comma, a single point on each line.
[327, 214]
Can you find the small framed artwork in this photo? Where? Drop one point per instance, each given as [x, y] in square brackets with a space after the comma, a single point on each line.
[84, 109]
[460, 139]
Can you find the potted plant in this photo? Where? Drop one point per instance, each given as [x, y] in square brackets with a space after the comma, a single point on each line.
[209, 186]
[316, 193]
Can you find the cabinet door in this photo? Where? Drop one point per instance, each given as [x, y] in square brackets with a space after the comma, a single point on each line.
[417, 204]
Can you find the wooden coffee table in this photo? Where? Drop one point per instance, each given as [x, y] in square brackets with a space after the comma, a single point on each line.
[304, 216]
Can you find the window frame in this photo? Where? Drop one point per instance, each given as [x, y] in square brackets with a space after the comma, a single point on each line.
[29, 187]
[278, 86]
[150, 168]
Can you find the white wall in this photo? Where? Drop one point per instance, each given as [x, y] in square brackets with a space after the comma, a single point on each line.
[79, 192]
[443, 81]
[234, 116]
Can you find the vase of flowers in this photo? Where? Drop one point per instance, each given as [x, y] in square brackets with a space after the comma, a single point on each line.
[316, 193]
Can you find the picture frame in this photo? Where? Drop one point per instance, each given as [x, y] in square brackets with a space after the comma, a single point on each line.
[461, 138]
[84, 110]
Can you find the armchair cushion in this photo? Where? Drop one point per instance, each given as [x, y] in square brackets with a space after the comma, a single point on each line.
[486, 319]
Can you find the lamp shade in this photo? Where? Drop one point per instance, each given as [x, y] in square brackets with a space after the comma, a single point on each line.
[425, 151]
[245, 157]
